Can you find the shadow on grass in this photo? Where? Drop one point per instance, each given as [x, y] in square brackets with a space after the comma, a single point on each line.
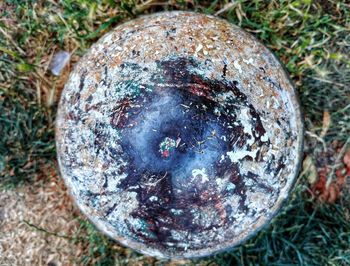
[27, 138]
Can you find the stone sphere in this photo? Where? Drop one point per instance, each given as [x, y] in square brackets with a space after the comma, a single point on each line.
[179, 135]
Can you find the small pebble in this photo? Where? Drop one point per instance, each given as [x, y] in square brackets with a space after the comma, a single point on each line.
[59, 61]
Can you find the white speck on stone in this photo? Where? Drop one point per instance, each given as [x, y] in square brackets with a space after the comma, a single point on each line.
[267, 104]
[202, 173]
[237, 155]
[199, 47]
[230, 186]
[217, 111]
[250, 61]
[176, 211]
[237, 66]
[222, 158]
[264, 138]
[153, 198]
[275, 104]
[244, 117]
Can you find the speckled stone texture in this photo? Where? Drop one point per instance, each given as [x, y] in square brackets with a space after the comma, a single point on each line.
[179, 134]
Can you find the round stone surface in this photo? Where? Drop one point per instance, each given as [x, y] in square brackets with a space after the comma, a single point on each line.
[179, 134]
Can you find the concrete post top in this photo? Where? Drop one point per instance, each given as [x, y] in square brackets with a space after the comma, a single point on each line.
[179, 135]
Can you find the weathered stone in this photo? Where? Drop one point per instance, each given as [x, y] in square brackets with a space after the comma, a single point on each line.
[179, 134]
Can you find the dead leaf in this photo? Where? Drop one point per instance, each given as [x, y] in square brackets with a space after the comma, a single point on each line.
[309, 170]
[326, 122]
[340, 174]
[320, 186]
[333, 193]
[346, 158]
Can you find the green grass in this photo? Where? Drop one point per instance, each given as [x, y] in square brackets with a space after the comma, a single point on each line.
[26, 143]
[312, 39]
[306, 233]
[99, 248]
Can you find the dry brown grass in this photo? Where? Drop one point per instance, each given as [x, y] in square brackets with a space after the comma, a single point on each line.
[46, 205]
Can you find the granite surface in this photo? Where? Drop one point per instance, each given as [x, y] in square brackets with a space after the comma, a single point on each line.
[179, 134]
